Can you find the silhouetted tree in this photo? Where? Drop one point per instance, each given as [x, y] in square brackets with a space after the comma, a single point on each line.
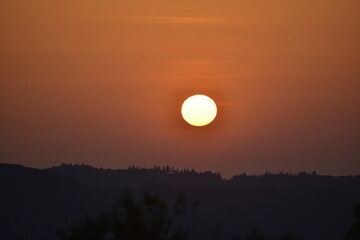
[287, 236]
[255, 235]
[149, 220]
[354, 232]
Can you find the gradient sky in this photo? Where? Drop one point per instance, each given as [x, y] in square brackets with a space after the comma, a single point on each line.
[102, 83]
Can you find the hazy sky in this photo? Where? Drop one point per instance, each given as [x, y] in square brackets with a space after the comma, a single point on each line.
[102, 83]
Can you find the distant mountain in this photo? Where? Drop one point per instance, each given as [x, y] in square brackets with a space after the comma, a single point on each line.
[34, 203]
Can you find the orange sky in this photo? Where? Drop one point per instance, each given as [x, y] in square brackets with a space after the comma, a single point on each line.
[102, 82]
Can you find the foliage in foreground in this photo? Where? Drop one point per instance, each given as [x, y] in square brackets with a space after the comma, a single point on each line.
[354, 232]
[129, 220]
[152, 220]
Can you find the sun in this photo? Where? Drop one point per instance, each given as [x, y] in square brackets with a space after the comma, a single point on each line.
[199, 110]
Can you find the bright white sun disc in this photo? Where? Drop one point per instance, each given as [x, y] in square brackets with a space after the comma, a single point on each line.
[199, 110]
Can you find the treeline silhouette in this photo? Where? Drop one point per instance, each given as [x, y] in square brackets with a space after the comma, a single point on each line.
[136, 176]
[34, 203]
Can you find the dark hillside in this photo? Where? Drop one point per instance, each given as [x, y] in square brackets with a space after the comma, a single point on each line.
[35, 203]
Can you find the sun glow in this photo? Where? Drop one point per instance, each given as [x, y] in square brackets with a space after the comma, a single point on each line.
[199, 110]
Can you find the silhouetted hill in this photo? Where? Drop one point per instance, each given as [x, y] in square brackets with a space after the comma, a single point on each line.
[35, 203]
